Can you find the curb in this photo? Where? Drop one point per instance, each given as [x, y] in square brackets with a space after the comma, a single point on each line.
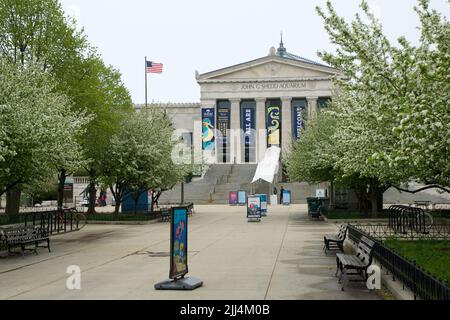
[123, 222]
[396, 287]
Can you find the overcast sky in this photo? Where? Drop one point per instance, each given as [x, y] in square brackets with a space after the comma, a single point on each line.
[206, 35]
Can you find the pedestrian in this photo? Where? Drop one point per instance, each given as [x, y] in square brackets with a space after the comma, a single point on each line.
[281, 194]
[104, 197]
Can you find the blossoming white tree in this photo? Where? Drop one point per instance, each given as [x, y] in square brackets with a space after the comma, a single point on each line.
[392, 121]
[38, 127]
[140, 156]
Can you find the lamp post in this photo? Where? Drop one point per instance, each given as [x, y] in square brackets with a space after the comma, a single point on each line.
[182, 192]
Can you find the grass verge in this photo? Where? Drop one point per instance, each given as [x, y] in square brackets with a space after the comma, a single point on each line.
[432, 255]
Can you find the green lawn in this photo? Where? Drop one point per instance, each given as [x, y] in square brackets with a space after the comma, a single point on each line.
[431, 255]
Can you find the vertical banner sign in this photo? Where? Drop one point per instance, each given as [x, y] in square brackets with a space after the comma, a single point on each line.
[274, 125]
[254, 208]
[208, 129]
[242, 198]
[178, 243]
[263, 204]
[233, 198]
[299, 117]
[248, 126]
[286, 197]
[223, 124]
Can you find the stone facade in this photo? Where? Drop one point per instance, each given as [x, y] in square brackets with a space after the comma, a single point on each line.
[281, 76]
[278, 78]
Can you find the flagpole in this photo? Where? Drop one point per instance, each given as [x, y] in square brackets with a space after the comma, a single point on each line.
[145, 81]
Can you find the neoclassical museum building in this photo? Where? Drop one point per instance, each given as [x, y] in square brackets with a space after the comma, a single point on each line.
[265, 102]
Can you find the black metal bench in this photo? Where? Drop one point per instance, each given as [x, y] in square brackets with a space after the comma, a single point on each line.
[336, 241]
[358, 263]
[24, 236]
[165, 215]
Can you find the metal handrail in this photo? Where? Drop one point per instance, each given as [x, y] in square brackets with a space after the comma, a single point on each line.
[57, 221]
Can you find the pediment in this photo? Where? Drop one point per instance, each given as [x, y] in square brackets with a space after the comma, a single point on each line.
[269, 69]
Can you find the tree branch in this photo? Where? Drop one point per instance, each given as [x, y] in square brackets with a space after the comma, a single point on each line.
[433, 186]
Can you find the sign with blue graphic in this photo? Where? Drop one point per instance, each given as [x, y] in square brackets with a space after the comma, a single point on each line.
[298, 117]
[208, 125]
[263, 204]
[178, 243]
[286, 197]
[248, 126]
[242, 198]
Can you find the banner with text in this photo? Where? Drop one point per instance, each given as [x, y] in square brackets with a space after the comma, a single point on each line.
[223, 125]
[248, 126]
[208, 129]
[299, 112]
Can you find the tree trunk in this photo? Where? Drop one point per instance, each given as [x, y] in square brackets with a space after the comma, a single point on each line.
[374, 195]
[61, 180]
[117, 194]
[117, 209]
[363, 204]
[92, 198]
[13, 203]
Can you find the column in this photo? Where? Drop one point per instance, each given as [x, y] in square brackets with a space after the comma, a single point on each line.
[312, 106]
[235, 136]
[261, 128]
[286, 123]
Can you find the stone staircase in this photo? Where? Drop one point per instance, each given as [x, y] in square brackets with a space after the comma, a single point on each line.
[239, 178]
[199, 190]
[221, 179]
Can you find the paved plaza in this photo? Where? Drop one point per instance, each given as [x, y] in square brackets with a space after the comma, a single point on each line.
[279, 258]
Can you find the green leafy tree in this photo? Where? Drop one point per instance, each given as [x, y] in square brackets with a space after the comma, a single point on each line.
[110, 103]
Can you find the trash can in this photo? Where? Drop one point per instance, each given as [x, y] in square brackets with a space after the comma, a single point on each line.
[315, 205]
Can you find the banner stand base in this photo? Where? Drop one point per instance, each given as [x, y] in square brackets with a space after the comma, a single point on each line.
[188, 283]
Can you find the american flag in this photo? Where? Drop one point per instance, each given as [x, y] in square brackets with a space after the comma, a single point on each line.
[154, 67]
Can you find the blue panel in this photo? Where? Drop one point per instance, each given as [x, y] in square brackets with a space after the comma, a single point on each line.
[128, 202]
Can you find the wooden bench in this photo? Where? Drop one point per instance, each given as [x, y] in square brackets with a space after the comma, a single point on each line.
[358, 263]
[23, 236]
[336, 241]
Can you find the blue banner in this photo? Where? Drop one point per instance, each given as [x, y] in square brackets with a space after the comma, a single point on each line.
[248, 126]
[298, 118]
[208, 123]
[178, 243]
[274, 125]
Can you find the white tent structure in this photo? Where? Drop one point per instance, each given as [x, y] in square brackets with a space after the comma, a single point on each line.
[268, 167]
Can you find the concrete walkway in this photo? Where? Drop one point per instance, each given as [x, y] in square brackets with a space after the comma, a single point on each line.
[279, 258]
